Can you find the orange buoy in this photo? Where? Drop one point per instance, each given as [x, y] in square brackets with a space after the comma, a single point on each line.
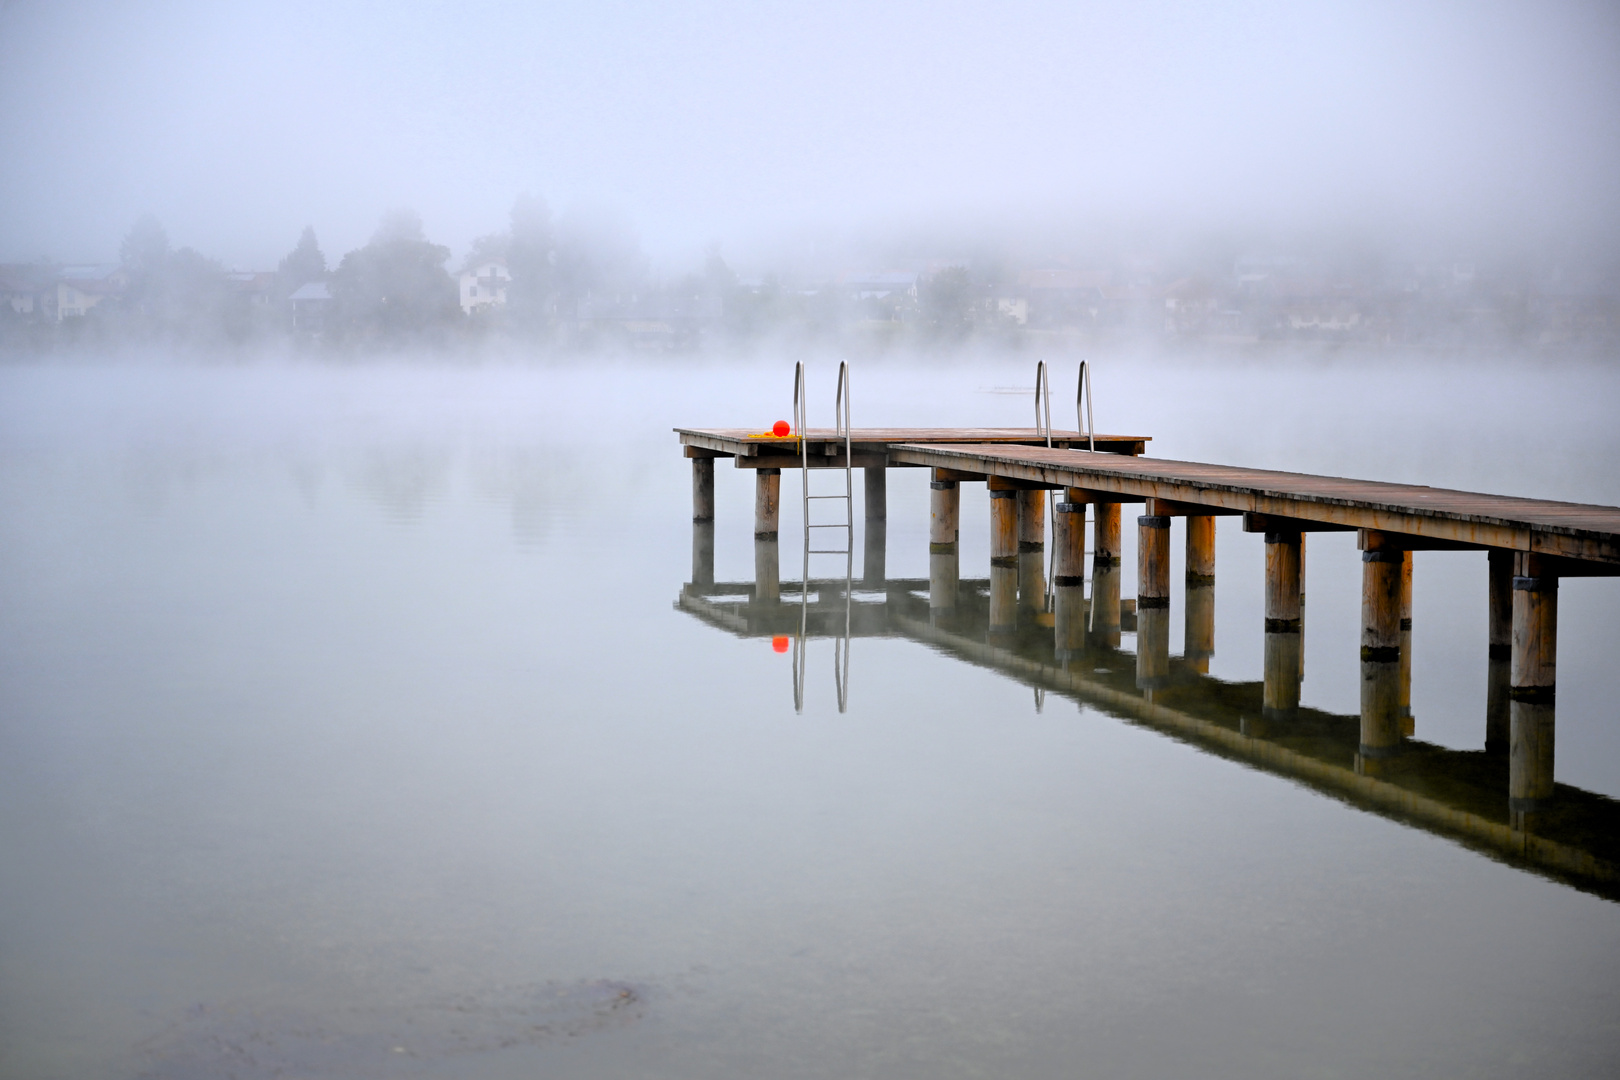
[780, 430]
[780, 643]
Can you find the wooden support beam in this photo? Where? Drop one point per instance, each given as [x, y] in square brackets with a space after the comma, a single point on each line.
[1406, 588]
[767, 503]
[875, 485]
[1380, 600]
[1069, 543]
[703, 489]
[944, 514]
[1103, 498]
[1535, 630]
[1031, 520]
[1200, 549]
[959, 476]
[793, 461]
[1407, 542]
[1105, 536]
[1284, 611]
[1152, 561]
[1265, 523]
[1177, 508]
[697, 452]
[1004, 529]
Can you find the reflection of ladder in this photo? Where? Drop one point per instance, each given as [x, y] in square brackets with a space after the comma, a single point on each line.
[841, 430]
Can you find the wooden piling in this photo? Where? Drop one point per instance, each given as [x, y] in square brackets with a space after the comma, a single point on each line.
[1284, 614]
[1004, 529]
[1535, 630]
[1381, 728]
[876, 487]
[1069, 543]
[1200, 549]
[1380, 599]
[703, 489]
[875, 554]
[1032, 520]
[1068, 622]
[767, 503]
[944, 515]
[1499, 603]
[1152, 561]
[1498, 723]
[1105, 535]
[1406, 590]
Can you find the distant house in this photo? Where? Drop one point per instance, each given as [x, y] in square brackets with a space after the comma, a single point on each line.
[659, 323]
[310, 305]
[80, 288]
[1063, 297]
[23, 288]
[258, 287]
[1006, 304]
[484, 285]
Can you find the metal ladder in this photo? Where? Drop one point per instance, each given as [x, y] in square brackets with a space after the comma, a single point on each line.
[1043, 426]
[841, 429]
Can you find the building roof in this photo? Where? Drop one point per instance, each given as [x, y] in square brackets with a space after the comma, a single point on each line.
[314, 290]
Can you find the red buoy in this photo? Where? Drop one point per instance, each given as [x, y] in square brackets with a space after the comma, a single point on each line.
[780, 430]
[780, 643]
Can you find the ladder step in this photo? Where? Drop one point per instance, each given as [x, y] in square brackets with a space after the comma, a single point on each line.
[827, 496]
[834, 525]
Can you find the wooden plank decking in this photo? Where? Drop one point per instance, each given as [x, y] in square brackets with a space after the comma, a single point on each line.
[1570, 530]
[867, 442]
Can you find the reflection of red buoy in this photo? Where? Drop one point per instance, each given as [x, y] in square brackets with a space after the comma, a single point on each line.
[779, 643]
[780, 430]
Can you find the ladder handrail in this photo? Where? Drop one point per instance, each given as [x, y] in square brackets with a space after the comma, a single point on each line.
[841, 429]
[1082, 391]
[1043, 397]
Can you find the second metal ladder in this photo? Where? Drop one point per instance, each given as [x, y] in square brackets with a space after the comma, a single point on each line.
[841, 430]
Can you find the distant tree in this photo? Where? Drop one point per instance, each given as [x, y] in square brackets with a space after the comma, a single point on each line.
[530, 257]
[145, 249]
[397, 285]
[304, 264]
[947, 302]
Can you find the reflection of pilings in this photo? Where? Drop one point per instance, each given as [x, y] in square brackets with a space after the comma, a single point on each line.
[1003, 598]
[1152, 647]
[1200, 550]
[1004, 528]
[944, 514]
[944, 581]
[1105, 536]
[1200, 627]
[1530, 756]
[1497, 682]
[703, 489]
[767, 503]
[1032, 580]
[1152, 561]
[767, 571]
[1280, 697]
[1069, 542]
[1283, 613]
[1105, 604]
[702, 552]
[876, 487]
[1499, 587]
[1380, 600]
[874, 569]
[1068, 621]
[1380, 712]
[1404, 699]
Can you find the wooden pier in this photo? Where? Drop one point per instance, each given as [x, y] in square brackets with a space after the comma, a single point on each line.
[1532, 545]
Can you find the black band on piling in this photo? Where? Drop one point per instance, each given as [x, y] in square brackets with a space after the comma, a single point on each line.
[1198, 580]
[1533, 695]
[1069, 581]
[942, 549]
[1152, 601]
[1383, 555]
[765, 536]
[1380, 654]
[1069, 508]
[1006, 562]
[1002, 494]
[1534, 584]
[1274, 714]
[1499, 652]
[942, 485]
[1406, 624]
[1102, 558]
[768, 472]
[1027, 546]
[1282, 626]
[1379, 751]
[1282, 537]
[1154, 521]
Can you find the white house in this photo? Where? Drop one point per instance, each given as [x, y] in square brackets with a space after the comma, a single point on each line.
[484, 284]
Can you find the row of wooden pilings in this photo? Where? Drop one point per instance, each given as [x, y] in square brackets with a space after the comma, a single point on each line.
[1522, 603]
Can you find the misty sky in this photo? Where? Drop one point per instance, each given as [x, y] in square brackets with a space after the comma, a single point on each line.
[237, 124]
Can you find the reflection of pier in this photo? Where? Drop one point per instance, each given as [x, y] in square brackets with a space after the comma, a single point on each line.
[1371, 760]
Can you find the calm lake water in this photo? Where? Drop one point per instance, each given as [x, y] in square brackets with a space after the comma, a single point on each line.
[350, 726]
